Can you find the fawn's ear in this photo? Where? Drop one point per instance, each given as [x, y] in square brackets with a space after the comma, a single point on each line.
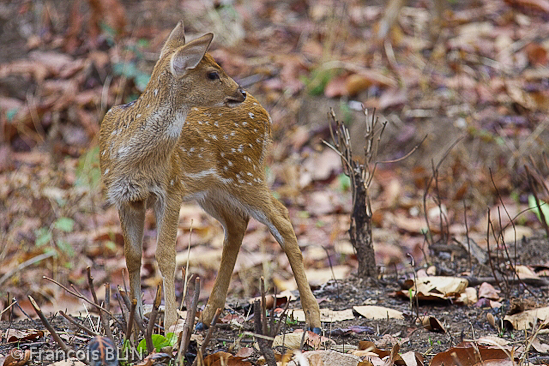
[176, 39]
[189, 55]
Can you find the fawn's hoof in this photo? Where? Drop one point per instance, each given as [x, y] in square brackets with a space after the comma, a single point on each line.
[202, 326]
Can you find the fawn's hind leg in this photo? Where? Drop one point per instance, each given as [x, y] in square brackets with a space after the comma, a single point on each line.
[269, 211]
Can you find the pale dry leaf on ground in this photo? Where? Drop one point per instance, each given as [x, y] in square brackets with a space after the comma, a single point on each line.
[378, 312]
[488, 291]
[527, 319]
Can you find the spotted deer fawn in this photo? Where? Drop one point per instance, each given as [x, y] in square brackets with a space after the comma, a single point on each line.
[193, 134]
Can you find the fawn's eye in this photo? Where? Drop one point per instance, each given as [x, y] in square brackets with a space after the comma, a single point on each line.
[213, 75]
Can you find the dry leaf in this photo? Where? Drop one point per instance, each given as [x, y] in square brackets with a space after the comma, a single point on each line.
[488, 291]
[527, 319]
[432, 324]
[326, 315]
[336, 87]
[224, 359]
[468, 354]
[329, 358]
[378, 312]
[436, 287]
[17, 357]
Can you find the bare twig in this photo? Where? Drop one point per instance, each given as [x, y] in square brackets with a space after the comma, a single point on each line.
[102, 317]
[77, 294]
[542, 217]
[152, 319]
[77, 324]
[24, 265]
[264, 344]
[48, 326]
[206, 341]
[130, 320]
[136, 317]
[189, 321]
[264, 325]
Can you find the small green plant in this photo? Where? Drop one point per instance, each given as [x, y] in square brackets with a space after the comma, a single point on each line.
[543, 207]
[318, 80]
[46, 235]
[130, 71]
[88, 173]
[291, 321]
[159, 342]
[344, 182]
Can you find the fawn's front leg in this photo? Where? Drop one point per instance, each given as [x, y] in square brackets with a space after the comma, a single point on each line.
[167, 219]
[234, 224]
[132, 220]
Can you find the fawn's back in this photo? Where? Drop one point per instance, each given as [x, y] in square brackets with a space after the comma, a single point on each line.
[222, 149]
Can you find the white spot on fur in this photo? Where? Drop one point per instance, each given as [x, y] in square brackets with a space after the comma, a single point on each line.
[194, 109]
[139, 115]
[114, 132]
[230, 163]
[251, 115]
[226, 137]
[191, 149]
[174, 128]
[171, 182]
[103, 152]
[233, 133]
[222, 154]
[155, 92]
[202, 174]
[123, 151]
[107, 171]
[216, 124]
[244, 123]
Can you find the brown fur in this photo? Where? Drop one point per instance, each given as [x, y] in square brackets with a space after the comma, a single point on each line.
[191, 138]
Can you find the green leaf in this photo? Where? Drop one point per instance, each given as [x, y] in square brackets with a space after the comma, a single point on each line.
[43, 236]
[344, 182]
[64, 224]
[159, 342]
[141, 80]
[543, 206]
[65, 247]
[88, 173]
[10, 114]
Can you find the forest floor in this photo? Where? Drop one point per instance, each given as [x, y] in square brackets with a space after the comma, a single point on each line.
[466, 84]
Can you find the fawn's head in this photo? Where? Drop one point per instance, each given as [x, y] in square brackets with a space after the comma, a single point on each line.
[193, 77]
